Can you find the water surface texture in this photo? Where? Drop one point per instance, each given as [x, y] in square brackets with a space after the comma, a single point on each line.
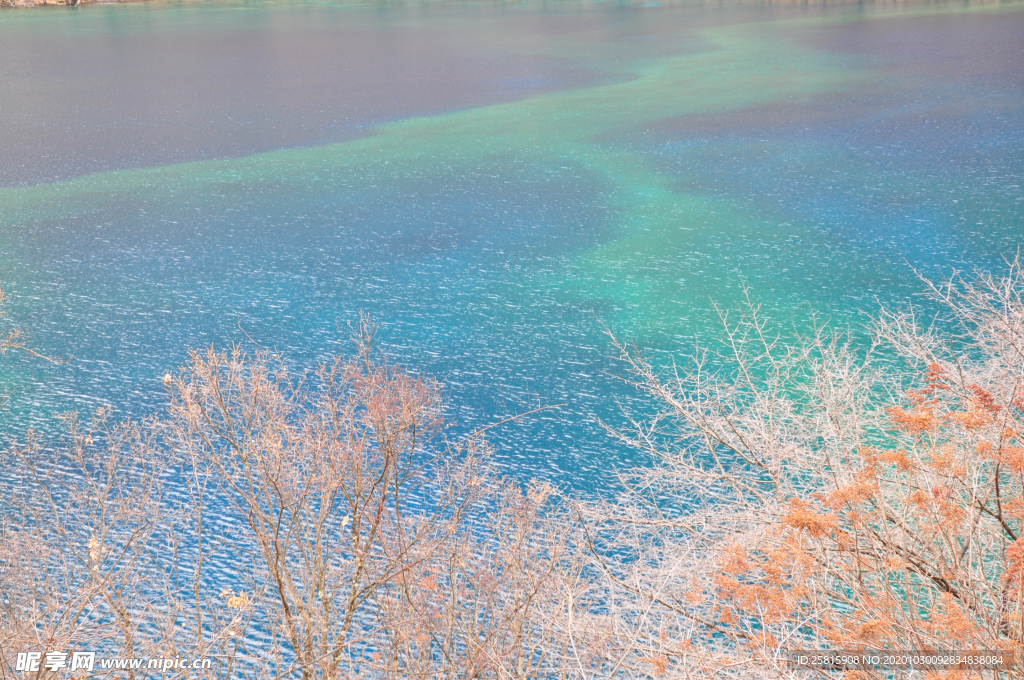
[494, 183]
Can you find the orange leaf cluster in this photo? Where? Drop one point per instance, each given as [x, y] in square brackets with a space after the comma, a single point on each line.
[1014, 572]
[658, 663]
[802, 517]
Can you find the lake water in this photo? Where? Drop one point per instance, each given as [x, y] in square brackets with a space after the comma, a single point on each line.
[492, 182]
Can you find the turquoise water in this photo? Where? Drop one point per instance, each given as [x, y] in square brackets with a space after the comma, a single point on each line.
[493, 183]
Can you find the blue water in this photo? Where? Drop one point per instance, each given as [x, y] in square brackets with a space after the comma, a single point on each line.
[494, 183]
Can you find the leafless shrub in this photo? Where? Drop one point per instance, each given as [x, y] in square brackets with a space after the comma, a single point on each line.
[79, 524]
[496, 604]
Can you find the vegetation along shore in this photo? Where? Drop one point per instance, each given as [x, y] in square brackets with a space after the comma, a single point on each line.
[819, 494]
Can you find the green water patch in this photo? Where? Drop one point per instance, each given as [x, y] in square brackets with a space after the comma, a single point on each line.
[665, 253]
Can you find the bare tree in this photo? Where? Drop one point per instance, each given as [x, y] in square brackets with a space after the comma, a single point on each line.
[336, 490]
[314, 526]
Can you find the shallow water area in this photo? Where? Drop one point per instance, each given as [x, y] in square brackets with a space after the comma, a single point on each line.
[493, 183]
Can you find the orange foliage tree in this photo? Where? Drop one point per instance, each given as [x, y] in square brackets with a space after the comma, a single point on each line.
[810, 496]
